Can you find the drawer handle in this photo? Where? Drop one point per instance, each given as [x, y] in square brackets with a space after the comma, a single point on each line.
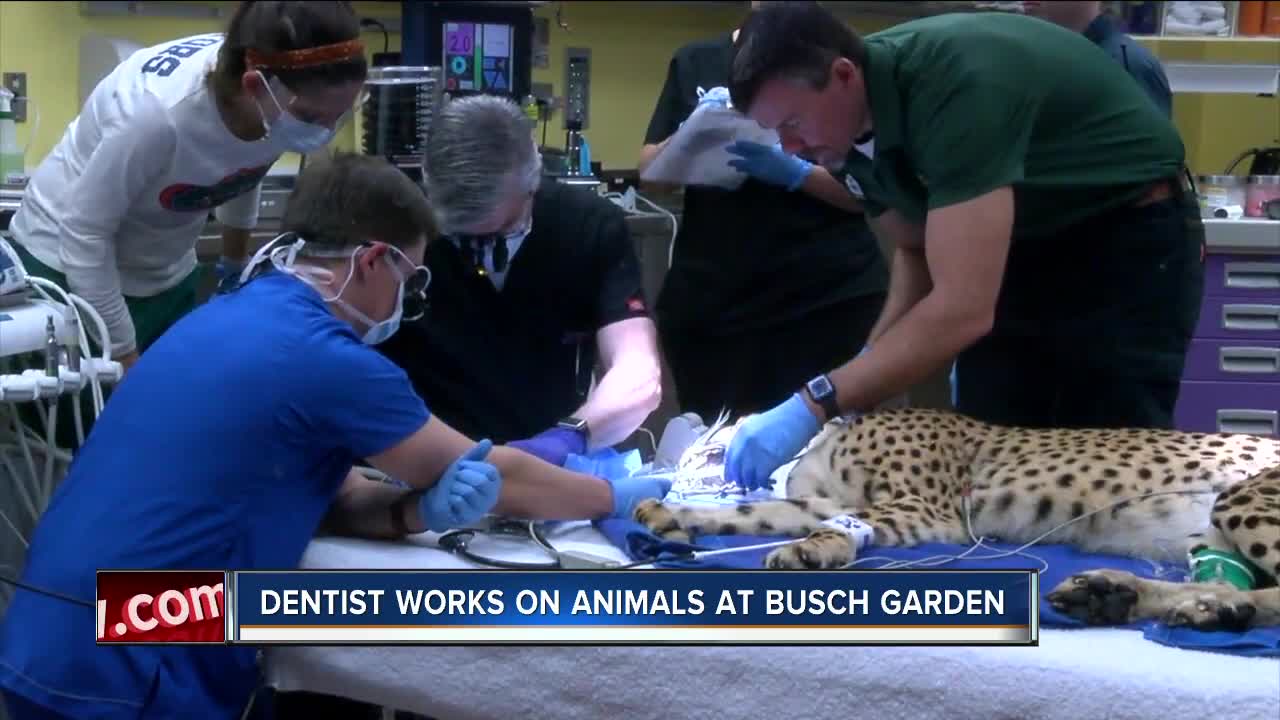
[1249, 422]
[1252, 276]
[1251, 317]
[1249, 360]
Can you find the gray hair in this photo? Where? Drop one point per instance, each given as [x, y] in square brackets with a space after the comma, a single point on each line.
[480, 149]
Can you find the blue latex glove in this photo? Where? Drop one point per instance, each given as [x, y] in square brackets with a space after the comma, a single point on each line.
[554, 445]
[228, 274]
[768, 441]
[465, 493]
[770, 164]
[717, 96]
[630, 491]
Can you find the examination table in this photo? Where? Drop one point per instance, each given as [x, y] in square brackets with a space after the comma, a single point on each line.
[1073, 674]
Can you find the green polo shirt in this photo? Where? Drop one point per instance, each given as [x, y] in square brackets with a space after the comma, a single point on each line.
[963, 104]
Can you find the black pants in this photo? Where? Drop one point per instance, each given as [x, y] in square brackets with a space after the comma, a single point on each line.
[1092, 326]
[753, 371]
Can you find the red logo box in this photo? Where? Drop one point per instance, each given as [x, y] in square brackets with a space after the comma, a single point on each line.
[172, 607]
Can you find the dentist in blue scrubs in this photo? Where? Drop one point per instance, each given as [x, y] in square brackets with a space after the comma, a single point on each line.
[232, 442]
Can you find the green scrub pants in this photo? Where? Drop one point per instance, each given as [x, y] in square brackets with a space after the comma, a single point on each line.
[1092, 325]
[151, 316]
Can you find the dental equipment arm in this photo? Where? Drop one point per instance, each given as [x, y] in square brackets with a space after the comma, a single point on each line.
[966, 247]
[630, 387]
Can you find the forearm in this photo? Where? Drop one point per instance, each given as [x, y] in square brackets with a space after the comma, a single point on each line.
[909, 282]
[926, 338]
[364, 508]
[235, 244]
[536, 490]
[825, 187]
[100, 287]
[624, 397]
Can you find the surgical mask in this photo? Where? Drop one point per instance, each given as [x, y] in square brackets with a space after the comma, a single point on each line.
[293, 134]
[411, 290]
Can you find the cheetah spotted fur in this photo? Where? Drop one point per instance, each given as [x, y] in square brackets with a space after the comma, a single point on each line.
[904, 473]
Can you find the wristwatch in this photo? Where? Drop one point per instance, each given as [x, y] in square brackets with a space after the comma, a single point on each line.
[822, 392]
[575, 424]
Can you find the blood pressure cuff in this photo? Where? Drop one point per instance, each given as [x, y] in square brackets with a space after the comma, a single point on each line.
[554, 445]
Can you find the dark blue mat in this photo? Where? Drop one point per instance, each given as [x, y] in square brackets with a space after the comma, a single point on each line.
[640, 544]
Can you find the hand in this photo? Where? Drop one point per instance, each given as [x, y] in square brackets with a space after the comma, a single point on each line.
[227, 272]
[467, 490]
[554, 445]
[716, 96]
[767, 441]
[127, 360]
[770, 164]
[630, 491]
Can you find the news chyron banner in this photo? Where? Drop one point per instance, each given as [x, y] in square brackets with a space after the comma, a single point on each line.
[571, 607]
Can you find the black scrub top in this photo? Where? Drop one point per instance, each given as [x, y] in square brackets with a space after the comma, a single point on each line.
[759, 256]
[1138, 61]
[506, 365]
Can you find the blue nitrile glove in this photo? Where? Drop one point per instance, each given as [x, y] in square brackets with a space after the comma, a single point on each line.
[768, 441]
[630, 491]
[554, 445]
[717, 96]
[228, 274]
[465, 493]
[770, 164]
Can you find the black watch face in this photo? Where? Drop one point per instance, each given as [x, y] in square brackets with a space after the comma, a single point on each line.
[820, 387]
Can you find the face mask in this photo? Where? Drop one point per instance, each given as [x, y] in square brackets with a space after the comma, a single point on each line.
[411, 291]
[293, 134]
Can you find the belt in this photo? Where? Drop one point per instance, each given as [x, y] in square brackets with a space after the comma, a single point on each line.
[1177, 186]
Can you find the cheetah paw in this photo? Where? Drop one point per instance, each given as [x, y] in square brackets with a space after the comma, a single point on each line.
[821, 550]
[660, 520]
[1216, 608]
[1098, 597]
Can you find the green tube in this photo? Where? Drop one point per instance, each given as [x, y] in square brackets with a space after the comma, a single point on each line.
[1223, 567]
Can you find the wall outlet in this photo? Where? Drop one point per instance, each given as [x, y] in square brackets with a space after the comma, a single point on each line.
[17, 84]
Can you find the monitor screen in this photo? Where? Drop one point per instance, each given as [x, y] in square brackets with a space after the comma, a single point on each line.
[478, 57]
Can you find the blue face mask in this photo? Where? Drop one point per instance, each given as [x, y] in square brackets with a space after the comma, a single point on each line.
[293, 134]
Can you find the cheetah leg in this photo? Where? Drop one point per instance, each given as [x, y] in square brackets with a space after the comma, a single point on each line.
[1116, 597]
[897, 523]
[1243, 524]
[795, 518]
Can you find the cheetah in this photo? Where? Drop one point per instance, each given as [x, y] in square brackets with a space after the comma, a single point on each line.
[914, 475]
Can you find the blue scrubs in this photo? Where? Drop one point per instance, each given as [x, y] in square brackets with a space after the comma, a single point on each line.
[221, 449]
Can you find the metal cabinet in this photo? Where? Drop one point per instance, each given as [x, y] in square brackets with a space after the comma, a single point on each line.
[1231, 382]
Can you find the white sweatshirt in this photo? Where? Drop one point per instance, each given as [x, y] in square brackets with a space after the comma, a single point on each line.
[118, 205]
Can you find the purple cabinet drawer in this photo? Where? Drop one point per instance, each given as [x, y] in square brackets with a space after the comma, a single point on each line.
[1232, 318]
[1242, 275]
[1233, 407]
[1233, 361]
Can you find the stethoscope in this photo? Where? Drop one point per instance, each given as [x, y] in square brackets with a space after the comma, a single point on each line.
[458, 542]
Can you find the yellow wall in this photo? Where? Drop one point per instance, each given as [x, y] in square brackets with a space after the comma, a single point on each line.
[630, 42]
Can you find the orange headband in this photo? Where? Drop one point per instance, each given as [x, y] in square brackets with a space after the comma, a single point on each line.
[307, 57]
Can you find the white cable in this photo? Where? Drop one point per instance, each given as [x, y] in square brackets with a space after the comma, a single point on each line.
[627, 201]
[897, 565]
[46, 489]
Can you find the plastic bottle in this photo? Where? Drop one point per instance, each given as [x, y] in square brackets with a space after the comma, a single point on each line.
[11, 155]
[584, 157]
